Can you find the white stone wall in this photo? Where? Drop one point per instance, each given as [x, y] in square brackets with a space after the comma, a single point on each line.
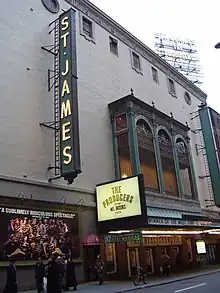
[25, 148]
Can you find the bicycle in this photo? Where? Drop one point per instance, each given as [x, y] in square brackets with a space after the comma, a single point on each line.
[140, 277]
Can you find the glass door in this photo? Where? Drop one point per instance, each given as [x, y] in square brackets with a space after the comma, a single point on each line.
[133, 261]
[148, 261]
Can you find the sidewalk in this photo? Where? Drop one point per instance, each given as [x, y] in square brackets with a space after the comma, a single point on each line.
[126, 286]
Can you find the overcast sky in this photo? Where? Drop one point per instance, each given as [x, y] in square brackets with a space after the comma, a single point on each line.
[196, 19]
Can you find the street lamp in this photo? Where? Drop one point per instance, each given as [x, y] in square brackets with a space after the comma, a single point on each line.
[217, 46]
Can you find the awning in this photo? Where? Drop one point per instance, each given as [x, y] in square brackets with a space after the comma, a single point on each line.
[166, 213]
[163, 213]
[91, 240]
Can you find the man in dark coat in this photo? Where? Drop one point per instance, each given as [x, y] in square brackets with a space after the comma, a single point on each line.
[53, 277]
[99, 266]
[71, 275]
[39, 275]
[11, 282]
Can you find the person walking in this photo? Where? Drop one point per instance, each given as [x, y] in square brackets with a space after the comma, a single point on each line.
[39, 275]
[165, 264]
[53, 277]
[11, 281]
[99, 266]
[71, 275]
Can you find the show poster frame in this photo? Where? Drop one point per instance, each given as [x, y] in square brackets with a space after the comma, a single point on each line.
[38, 232]
[129, 222]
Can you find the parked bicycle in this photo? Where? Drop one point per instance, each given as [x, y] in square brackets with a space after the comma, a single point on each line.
[140, 277]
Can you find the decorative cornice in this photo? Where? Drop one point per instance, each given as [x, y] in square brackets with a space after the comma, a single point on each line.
[132, 42]
[165, 201]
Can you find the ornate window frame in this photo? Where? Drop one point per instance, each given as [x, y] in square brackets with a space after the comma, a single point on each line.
[191, 165]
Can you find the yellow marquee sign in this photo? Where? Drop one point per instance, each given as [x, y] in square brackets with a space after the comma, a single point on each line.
[119, 199]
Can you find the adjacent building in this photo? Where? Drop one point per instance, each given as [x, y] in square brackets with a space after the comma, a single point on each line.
[134, 116]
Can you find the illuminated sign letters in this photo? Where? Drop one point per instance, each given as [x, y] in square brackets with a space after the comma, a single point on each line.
[119, 199]
[68, 98]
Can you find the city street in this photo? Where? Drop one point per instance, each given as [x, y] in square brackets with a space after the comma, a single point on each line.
[202, 284]
[205, 282]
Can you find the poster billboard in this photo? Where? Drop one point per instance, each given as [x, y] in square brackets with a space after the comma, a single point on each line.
[37, 233]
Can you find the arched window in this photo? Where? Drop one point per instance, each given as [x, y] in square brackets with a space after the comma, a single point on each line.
[124, 155]
[184, 167]
[147, 155]
[167, 161]
[123, 145]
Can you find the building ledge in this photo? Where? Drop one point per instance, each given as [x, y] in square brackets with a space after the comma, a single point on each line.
[44, 184]
[157, 200]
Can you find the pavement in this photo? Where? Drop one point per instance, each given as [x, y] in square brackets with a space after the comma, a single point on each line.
[203, 280]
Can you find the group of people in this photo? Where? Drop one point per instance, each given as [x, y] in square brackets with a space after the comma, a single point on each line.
[33, 237]
[57, 275]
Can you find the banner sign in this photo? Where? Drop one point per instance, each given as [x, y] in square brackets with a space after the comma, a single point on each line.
[157, 241]
[122, 237]
[36, 214]
[179, 222]
[70, 164]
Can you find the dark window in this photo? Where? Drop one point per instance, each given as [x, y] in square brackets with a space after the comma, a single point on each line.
[172, 89]
[121, 122]
[136, 61]
[113, 43]
[87, 27]
[187, 98]
[155, 74]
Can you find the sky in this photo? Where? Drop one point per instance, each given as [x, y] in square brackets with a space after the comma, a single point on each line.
[193, 19]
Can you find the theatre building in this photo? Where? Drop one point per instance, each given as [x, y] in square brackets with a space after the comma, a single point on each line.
[84, 102]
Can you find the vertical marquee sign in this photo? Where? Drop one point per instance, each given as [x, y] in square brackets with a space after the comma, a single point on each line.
[68, 98]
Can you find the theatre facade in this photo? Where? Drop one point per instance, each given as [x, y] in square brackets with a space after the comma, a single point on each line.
[97, 146]
[141, 216]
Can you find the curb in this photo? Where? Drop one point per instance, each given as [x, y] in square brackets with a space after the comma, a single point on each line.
[168, 281]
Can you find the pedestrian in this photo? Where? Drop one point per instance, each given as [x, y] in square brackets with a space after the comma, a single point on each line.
[53, 277]
[99, 266]
[39, 275]
[61, 263]
[165, 264]
[71, 275]
[11, 281]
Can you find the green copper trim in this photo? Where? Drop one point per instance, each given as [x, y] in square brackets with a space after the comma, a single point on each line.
[158, 162]
[133, 145]
[192, 171]
[115, 149]
[177, 167]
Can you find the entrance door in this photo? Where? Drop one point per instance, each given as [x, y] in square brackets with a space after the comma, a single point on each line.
[148, 261]
[90, 254]
[211, 253]
[133, 261]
